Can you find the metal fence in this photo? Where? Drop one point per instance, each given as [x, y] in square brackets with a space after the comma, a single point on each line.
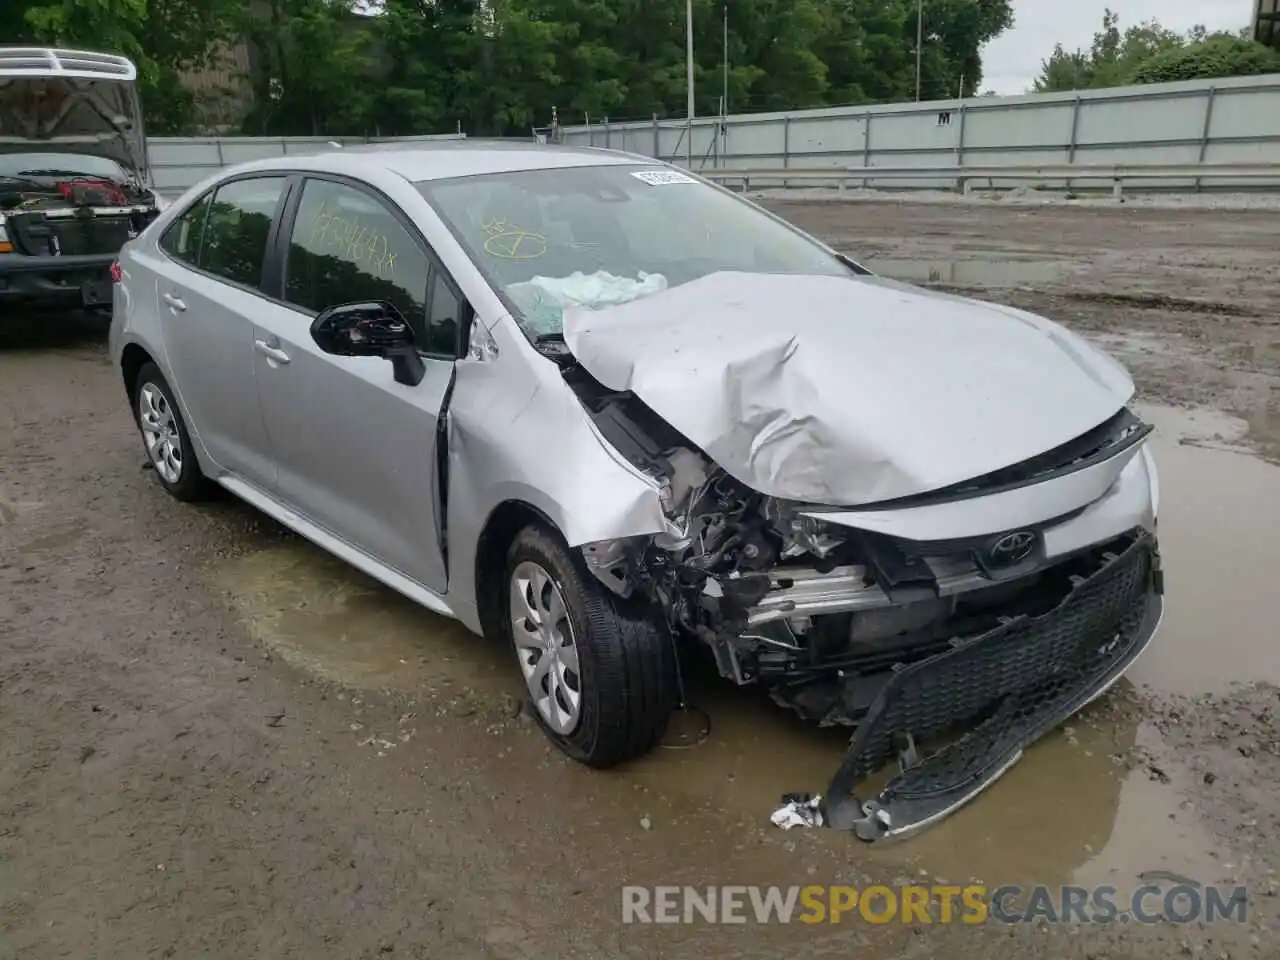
[181, 162]
[1231, 120]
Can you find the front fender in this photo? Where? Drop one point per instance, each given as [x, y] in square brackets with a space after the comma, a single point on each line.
[525, 437]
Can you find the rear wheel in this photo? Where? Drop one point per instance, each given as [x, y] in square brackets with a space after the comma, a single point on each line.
[165, 437]
[599, 673]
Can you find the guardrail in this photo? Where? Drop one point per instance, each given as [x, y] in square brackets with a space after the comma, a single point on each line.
[965, 176]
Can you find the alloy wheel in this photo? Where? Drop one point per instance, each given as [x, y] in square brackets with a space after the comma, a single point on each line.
[160, 432]
[546, 647]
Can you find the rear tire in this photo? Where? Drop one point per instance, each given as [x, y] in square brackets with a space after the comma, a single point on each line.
[165, 437]
[599, 672]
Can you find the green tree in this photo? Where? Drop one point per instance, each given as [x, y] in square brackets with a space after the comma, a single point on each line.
[314, 75]
[862, 46]
[1115, 58]
[321, 67]
[955, 31]
[1221, 55]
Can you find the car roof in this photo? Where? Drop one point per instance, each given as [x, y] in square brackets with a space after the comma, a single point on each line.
[422, 160]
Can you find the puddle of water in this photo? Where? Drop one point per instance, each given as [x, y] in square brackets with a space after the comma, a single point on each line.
[971, 273]
[321, 615]
[1068, 813]
[1219, 536]
[1151, 831]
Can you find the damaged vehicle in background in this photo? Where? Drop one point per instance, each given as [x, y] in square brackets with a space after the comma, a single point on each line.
[74, 180]
[603, 409]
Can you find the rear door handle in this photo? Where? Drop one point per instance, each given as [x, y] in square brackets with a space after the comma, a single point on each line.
[271, 353]
[176, 304]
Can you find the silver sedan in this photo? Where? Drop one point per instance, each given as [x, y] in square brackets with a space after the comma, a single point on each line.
[616, 415]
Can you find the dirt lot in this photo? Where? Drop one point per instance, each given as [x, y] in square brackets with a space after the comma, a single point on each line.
[218, 742]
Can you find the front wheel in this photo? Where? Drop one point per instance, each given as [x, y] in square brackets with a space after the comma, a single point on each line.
[599, 673]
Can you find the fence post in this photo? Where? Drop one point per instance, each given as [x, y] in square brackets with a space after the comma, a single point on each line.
[657, 141]
[606, 133]
[1209, 100]
[786, 146]
[1075, 127]
[866, 145]
[960, 147]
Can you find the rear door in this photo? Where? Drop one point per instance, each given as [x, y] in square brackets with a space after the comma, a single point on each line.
[356, 451]
[208, 289]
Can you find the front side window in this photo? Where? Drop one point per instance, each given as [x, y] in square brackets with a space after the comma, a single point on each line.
[240, 220]
[601, 235]
[348, 247]
[182, 239]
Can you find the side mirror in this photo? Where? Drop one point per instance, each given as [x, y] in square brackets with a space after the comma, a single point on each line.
[373, 329]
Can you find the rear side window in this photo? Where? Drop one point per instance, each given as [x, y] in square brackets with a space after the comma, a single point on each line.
[346, 247]
[239, 221]
[182, 239]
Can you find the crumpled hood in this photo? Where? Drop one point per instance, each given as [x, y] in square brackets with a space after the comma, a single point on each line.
[845, 391]
[74, 115]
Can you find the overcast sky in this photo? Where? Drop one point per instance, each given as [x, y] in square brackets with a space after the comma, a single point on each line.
[1012, 61]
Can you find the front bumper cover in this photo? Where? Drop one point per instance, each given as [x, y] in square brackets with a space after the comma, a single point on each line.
[1010, 685]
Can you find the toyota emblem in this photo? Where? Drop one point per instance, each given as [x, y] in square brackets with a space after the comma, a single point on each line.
[1012, 548]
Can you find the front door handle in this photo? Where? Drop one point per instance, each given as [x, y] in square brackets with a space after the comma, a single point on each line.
[274, 354]
[175, 303]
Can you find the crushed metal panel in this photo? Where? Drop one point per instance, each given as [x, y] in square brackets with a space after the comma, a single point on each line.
[838, 391]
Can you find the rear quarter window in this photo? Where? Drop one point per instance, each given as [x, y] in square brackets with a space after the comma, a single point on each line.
[182, 239]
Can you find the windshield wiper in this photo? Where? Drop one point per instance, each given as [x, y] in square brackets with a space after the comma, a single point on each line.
[853, 265]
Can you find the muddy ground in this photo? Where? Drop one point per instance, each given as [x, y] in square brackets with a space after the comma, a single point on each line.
[215, 741]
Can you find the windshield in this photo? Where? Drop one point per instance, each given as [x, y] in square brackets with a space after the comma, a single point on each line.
[602, 235]
[20, 165]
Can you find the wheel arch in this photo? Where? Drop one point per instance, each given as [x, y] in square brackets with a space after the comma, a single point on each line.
[132, 359]
[504, 523]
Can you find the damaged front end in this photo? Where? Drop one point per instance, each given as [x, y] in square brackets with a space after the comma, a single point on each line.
[946, 656]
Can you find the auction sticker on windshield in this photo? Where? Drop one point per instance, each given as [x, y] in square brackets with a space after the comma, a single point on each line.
[659, 178]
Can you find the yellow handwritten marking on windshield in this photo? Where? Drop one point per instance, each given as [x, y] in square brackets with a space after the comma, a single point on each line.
[509, 242]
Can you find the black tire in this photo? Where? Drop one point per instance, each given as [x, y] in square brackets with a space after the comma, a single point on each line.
[190, 485]
[627, 665]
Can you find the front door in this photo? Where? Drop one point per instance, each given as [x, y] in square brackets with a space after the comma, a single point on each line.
[355, 451]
